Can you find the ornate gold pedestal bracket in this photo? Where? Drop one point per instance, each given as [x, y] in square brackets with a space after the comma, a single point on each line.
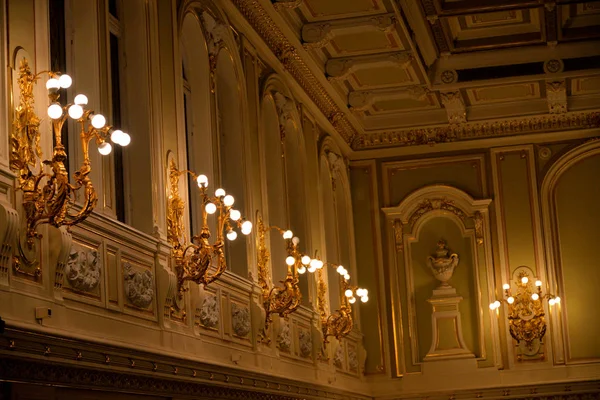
[194, 261]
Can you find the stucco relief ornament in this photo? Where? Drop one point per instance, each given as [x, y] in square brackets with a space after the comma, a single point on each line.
[209, 312]
[139, 286]
[352, 359]
[305, 341]
[284, 341]
[240, 320]
[83, 269]
[442, 265]
[338, 358]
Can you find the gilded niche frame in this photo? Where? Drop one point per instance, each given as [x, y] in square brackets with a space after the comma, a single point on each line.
[403, 223]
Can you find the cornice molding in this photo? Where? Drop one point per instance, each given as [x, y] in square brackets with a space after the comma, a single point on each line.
[288, 55]
[38, 358]
[478, 130]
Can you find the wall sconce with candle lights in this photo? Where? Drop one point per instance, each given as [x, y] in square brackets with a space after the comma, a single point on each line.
[284, 299]
[48, 194]
[526, 321]
[193, 261]
[339, 323]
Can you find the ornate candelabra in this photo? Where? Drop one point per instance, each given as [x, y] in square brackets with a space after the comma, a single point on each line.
[193, 261]
[49, 196]
[339, 323]
[526, 320]
[284, 299]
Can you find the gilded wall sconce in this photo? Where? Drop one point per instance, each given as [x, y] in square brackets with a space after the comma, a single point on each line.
[526, 320]
[339, 323]
[48, 194]
[284, 299]
[194, 261]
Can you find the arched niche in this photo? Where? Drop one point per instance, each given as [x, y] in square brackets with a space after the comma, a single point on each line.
[337, 217]
[415, 227]
[197, 116]
[283, 164]
[570, 195]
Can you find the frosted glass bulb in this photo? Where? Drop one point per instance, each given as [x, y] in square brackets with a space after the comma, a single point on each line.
[228, 200]
[510, 300]
[288, 234]
[290, 260]
[557, 299]
[346, 277]
[105, 148]
[313, 263]
[319, 264]
[301, 269]
[231, 235]
[55, 111]
[210, 208]
[126, 140]
[348, 293]
[81, 99]
[52, 83]
[75, 111]
[351, 300]
[98, 121]
[359, 292]
[524, 280]
[538, 283]
[65, 81]
[117, 136]
[535, 296]
[506, 286]
[247, 227]
[497, 303]
[202, 181]
[492, 306]
[220, 192]
[366, 291]
[311, 269]
[340, 269]
[235, 215]
[551, 302]
[364, 299]
[305, 260]
[295, 240]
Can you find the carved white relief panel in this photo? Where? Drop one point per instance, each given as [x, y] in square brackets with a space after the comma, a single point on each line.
[240, 320]
[284, 340]
[209, 313]
[338, 357]
[138, 286]
[304, 343]
[83, 271]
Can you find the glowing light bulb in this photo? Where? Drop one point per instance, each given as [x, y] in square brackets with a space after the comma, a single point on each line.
[364, 299]
[510, 300]
[551, 302]
[290, 260]
[492, 306]
[288, 234]
[538, 283]
[65, 81]
[305, 260]
[351, 300]
[104, 148]
[126, 140]
[220, 192]
[313, 263]
[75, 111]
[117, 136]
[497, 303]
[319, 264]
[202, 181]
[231, 234]
[359, 292]
[366, 291]
[228, 200]
[346, 276]
[247, 227]
[210, 208]
[52, 84]
[301, 269]
[340, 269]
[524, 280]
[80, 99]
[295, 240]
[348, 293]
[98, 121]
[235, 215]
[535, 296]
[557, 299]
[506, 286]
[55, 111]
[311, 269]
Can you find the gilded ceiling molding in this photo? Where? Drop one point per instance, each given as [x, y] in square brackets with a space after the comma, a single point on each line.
[262, 23]
[478, 130]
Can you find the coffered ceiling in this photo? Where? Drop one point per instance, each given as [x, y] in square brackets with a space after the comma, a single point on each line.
[423, 71]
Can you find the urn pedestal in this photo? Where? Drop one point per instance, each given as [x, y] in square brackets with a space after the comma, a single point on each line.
[447, 339]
